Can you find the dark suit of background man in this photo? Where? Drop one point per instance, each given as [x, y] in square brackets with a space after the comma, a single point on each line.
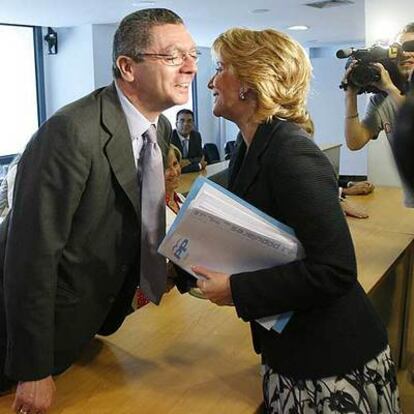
[73, 240]
[188, 141]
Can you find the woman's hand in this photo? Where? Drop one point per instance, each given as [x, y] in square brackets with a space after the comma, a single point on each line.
[215, 286]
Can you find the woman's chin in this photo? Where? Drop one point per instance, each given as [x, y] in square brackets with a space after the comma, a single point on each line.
[216, 110]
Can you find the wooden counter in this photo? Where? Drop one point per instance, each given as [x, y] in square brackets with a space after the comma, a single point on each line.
[188, 179]
[384, 249]
[186, 356]
[386, 210]
[189, 356]
[376, 252]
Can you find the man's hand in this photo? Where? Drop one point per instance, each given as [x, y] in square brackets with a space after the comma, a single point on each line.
[350, 89]
[352, 211]
[203, 163]
[184, 162]
[359, 188]
[215, 286]
[34, 397]
[385, 83]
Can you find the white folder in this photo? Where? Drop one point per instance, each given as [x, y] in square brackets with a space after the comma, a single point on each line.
[224, 233]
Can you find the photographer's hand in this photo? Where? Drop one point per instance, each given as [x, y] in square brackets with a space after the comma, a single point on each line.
[350, 89]
[386, 84]
[356, 134]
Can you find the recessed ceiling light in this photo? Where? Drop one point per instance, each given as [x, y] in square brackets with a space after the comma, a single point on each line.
[298, 27]
[143, 3]
[259, 11]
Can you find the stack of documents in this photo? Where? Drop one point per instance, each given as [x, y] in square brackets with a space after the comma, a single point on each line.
[222, 232]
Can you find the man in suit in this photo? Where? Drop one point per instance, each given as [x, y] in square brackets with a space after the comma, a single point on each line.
[188, 141]
[70, 259]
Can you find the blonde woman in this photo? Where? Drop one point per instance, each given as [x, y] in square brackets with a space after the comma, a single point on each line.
[333, 355]
[172, 174]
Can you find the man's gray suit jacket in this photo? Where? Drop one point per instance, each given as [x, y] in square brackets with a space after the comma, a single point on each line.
[70, 247]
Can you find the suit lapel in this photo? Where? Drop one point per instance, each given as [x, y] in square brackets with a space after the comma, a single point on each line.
[247, 166]
[177, 142]
[118, 146]
[192, 145]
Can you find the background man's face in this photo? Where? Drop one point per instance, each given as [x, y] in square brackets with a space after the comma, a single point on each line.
[406, 61]
[185, 124]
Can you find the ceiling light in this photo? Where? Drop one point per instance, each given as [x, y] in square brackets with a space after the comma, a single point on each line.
[259, 11]
[329, 3]
[298, 27]
[143, 3]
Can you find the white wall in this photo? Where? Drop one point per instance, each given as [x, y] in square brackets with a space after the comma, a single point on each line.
[212, 129]
[327, 108]
[83, 63]
[69, 75]
[382, 20]
[102, 35]
[208, 124]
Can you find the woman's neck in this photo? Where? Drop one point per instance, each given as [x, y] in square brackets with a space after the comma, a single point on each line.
[246, 123]
[248, 130]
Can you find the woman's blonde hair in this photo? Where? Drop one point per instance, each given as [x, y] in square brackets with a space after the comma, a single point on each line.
[273, 65]
[176, 152]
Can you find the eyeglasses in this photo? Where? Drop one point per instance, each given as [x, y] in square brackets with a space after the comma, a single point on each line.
[174, 59]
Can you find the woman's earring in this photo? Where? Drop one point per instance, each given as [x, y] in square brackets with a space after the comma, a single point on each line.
[242, 95]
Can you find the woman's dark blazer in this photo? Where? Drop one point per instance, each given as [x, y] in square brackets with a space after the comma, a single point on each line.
[334, 328]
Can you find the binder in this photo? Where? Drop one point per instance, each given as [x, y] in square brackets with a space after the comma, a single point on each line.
[224, 233]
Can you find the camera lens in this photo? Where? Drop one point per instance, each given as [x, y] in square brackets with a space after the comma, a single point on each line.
[363, 75]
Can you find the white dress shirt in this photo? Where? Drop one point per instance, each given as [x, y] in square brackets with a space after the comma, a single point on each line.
[137, 123]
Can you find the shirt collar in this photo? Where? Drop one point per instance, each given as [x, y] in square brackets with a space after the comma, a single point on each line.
[137, 123]
[183, 138]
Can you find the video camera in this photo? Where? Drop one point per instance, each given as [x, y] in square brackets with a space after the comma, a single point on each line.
[364, 73]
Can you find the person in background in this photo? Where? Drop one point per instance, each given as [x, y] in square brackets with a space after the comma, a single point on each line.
[7, 186]
[346, 187]
[182, 280]
[172, 175]
[89, 210]
[355, 187]
[333, 355]
[189, 142]
[382, 107]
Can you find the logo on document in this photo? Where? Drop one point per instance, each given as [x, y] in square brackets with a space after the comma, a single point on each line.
[180, 248]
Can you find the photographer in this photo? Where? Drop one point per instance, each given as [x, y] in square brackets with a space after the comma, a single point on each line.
[382, 108]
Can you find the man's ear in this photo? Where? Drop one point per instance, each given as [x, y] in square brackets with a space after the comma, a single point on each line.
[125, 66]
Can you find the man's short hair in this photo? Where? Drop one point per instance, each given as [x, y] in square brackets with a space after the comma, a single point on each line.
[408, 28]
[184, 111]
[133, 35]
